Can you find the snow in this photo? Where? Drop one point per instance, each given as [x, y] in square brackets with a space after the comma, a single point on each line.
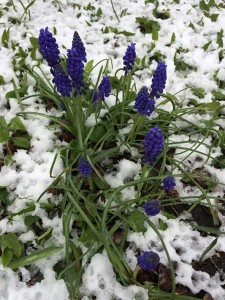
[29, 176]
[101, 282]
[12, 288]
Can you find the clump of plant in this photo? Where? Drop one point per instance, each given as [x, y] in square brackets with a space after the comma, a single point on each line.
[95, 114]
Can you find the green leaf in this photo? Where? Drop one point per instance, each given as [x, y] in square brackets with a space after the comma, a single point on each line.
[99, 12]
[98, 133]
[113, 29]
[8, 160]
[29, 220]
[173, 38]
[4, 130]
[45, 236]
[168, 215]
[191, 25]
[165, 14]
[22, 91]
[90, 205]
[40, 254]
[11, 241]
[89, 7]
[218, 95]
[22, 53]
[5, 37]
[207, 229]
[204, 6]
[106, 30]
[155, 35]
[87, 235]
[181, 65]
[7, 256]
[76, 150]
[102, 185]
[115, 82]
[219, 39]
[2, 80]
[88, 67]
[199, 92]
[16, 124]
[30, 207]
[22, 141]
[34, 42]
[143, 62]
[162, 225]
[4, 195]
[136, 221]
[147, 26]
[206, 46]
[32, 55]
[126, 33]
[211, 245]
[88, 23]
[214, 17]
[212, 106]
[28, 6]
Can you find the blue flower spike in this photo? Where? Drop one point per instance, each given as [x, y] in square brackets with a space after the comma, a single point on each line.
[61, 80]
[152, 207]
[75, 68]
[149, 260]
[104, 89]
[48, 47]
[129, 58]
[158, 80]
[143, 103]
[84, 167]
[79, 46]
[168, 183]
[153, 145]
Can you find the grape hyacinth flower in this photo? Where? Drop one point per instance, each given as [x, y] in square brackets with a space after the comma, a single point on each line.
[129, 58]
[153, 144]
[84, 167]
[149, 260]
[79, 46]
[75, 68]
[152, 207]
[104, 89]
[169, 183]
[61, 80]
[158, 80]
[143, 103]
[48, 47]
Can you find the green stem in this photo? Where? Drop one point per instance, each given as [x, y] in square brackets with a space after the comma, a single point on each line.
[114, 11]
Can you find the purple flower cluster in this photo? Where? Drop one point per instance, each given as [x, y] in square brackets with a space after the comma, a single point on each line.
[153, 144]
[74, 63]
[84, 167]
[152, 207]
[149, 260]
[104, 89]
[143, 103]
[75, 68]
[48, 47]
[129, 58]
[61, 80]
[79, 46]
[158, 80]
[169, 183]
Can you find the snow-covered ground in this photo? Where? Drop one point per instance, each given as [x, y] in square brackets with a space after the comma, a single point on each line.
[183, 35]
